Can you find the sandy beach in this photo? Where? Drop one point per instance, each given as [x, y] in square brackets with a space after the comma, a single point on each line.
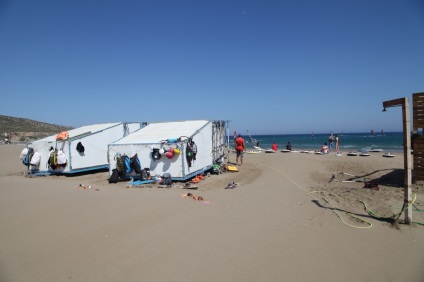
[286, 220]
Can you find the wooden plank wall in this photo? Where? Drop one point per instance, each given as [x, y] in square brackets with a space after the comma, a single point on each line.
[417, 139]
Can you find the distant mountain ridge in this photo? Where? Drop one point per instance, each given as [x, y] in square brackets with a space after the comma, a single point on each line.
[24, 129]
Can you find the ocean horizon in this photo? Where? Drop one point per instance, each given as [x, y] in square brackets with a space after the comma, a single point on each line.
[389, 141]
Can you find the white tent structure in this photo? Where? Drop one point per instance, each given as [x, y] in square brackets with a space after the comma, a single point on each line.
[94, 140]
[209, 137]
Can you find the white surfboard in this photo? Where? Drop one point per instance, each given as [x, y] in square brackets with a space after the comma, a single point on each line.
[253, 152]
[388, 155]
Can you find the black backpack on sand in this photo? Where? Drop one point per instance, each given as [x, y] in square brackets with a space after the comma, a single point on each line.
[114, 178]
[145, 174]
[166, 179]
[135, 164]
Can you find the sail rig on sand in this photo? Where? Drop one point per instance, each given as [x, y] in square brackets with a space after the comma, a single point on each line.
[255, 142]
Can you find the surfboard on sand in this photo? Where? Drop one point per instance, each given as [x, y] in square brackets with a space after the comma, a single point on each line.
[253, 152]
[191, 187]
[164, 186]
[177, 185]
[388, 155]
[371, 149]
[285, 151]
[269, 151]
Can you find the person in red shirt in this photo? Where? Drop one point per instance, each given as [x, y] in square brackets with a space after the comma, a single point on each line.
[240, 146]
[274, 147]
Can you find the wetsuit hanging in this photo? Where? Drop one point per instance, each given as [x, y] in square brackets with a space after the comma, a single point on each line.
[189, 154]
[193, 148]
[191, 151]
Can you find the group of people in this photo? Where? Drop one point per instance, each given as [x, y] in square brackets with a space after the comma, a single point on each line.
[240, 146]
[288, 146]
[332, 140]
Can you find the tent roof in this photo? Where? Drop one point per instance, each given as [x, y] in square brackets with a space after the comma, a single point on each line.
[155, 132]
[83, 130]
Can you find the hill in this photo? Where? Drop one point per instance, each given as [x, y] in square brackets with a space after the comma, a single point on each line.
[23, 129]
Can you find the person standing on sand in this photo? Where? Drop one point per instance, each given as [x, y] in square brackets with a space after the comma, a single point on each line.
[330, 140]
[240, 146]
[274, 147]
[337, 144]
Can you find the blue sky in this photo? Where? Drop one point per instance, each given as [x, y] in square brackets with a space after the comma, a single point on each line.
[270, 67]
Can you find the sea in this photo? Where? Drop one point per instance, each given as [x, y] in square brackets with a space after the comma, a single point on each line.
[389, 141]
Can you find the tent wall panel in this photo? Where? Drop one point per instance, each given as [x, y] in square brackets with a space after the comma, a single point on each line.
[207, 135]
[94, 138]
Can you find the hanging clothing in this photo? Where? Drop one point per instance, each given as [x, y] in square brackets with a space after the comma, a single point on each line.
[191, 152]
[61, 158]
[194, 149]
[23, 154]
[35, 160]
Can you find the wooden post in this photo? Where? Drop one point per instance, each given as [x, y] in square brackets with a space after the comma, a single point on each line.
[406, 152]
[407, 160]
[228, 141]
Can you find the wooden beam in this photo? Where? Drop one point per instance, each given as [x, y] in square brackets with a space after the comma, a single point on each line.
[394, 103]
